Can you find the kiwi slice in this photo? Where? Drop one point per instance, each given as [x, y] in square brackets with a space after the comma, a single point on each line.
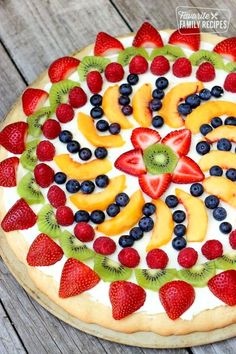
[74, 248]
[159, 158]
[29, 159]
[90, 63]
[153, 279]
[198, 275]
[47, 222]
[230, 67]
[36, 120]
[227, 261]
[110, 270]
[29, 189]
[125, 55]
[171, 52]
[59, 92]
[205, 55]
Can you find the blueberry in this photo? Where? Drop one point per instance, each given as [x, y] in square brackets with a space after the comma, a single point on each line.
[124, 100]
[219, 213]
[179, 216]
[146, 224]
[82, 216]
[126, 241]
[96, 100]
[102, 125]
[184, 109]
[180, 230]
[114, 128]
[132, 79]
[231, 174]
[65, 136]
[87, 187]
[122, 199]
[196, 189]
[155, 104]
[211, 201]
[194, 100]
[225, 227]
[217, 91]
[162, 83]
[171, 201]
[216, 122]
[127, 110]
[96, 112]
[230, 121]
[205, 94]
[73, 146]
[60, 178]
[157, 93]
[100, 153]
[113, 210]
[205, 129]
[179, 243]
[97, 216]
[149, 209]
[102, 181]
[203, 147]
[125, 89]
[157, 121]
[85, 154]
[216, 171]
[136, 233]
[72, 186]
[224, 144]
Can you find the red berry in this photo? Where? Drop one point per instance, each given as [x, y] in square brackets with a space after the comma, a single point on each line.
[94, 81]
[56, 196]
[182, 67]
[84, 232]
[104, 245]
[205, 72]
[157, 259]
[44, 175]
[232, 239]
[64, 113]
[138, 65]
[51, 129]
[64, 216]
[114, 72]
[212, 249]
[187, 257]
[129, 257]
[8, 171]
[160, 65]
[230, 82]
[77, 97]
[45, 151]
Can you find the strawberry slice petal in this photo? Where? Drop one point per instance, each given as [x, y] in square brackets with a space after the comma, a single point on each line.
[8, 169]
[154, 186]
[188, 37]
[13, 137]
[227, 48]
[107, 45]
[187, 171]
[61, 68]
[33, 99]
[147, 36]
[179, 141]
[131, 162]
[141, 138]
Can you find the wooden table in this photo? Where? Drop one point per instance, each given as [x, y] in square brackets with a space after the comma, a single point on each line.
[32, 34]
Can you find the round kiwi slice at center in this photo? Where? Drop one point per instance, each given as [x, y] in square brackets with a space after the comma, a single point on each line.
[159, 159]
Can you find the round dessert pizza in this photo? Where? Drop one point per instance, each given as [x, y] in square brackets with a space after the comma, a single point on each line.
[118, 182]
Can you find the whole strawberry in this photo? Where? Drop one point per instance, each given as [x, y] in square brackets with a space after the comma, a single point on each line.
[13, 137]
[44, 175]
[94, 81]
[56, 196]
[205, 72]
[8, 170]
[160, 65]
[230, 82]
[223, 286]
[182, 67]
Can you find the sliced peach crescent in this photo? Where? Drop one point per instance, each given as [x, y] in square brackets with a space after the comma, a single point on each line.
[197, 216]
[224, 131]
[82, 171]
[178, 93]
[100, 200]
[204, 113]
[111, 107]
[127, 218]
[224, 159]
[141, 112]
[164, 225]
[222, 187]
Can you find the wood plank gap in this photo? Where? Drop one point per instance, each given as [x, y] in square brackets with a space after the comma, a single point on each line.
[189, 350]
[120, 14]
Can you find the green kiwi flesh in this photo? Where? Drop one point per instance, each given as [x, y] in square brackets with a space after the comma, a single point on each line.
[36, 120]
[29, 159]
[169, 51]
[90, 63]
[59, 92]
[126, 55]
[226, 262]
[159, 159]
[230, 67]
[205, 55]
[74, 248]
[153, 279]
[198, 275]
[29, 190]
[110, 270]
[47, 223]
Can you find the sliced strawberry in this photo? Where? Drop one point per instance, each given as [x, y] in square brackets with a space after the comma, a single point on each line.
[179, 141]
[8, 169]
[188, 37]
[227, 48]
[33, 99]
[187, 171]
[131, 162]
[62, 68]
[144, 137]
[154, 186]
[223, 286]
[13, 137]
[106, 45]
[147, 36]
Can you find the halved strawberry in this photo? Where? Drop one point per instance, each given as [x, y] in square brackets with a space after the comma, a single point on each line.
[154, 186]
[33, 99]
[187, 171]
[13, 137]
[131, 162]
[147, 36]
[179, 141]
[144, 137]
[8, 169]
[106, 45]
[61, 68]
[223, 286]
[188, 37]
[227, 48]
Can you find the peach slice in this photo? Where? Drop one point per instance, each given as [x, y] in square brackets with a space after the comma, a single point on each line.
[222, 187]
[205, 112]
[82, 171]
[197, 216]
[112, 108]
[127, 218]
[100, 200]
[164, 225]
[224, 159]
[140, 102]
[224, 131]
[178, 93]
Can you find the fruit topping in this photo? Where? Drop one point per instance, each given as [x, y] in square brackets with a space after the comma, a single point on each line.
[227, 48]
[221, 187]
[231, 174]
[13, 137]
[94, 81]
[146, 224]
[153, 279]
[225, 227]
[170, 52]
[56, 196]
[29, 190]
[182, 67]
[154, 186]
[187, 171]
[8, 172]
[36, 120]
[160, 65]
[64, 215]
[59, 92]
[179, 141]
[84, 232]
[29, 159]
[205, 72]
[198, 275]
[106, 45]
[217, 91]
[157, 122]
[92, 63]
[82, 216]
[159, 159]
[110, 270]
[104, 245]
[223, 131]
[45, 151]
[60, 178]
[196, 189]
[51, 129]
[61, 68]
[33, 99]
[219, 213]
[207, 56]
[171, 201]
[223, 286]
[157, 259]
[212, 249]
[149, 209]
[126, 241]
[64, 113]
[44, 175]
[129, 257]
[187, 37]
[230, 82]
[140, 103]
[232, 239]
[179, 243]
[224, 159]
[138, 65]
[147, 36]
[131, 162]
[74, 248]
[144, 137]
[203, 147]
[114, 72]
[47, 222]
[187, 257]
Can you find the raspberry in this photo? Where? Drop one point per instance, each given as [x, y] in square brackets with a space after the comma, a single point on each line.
[212, 249]
[94, 81]
[138, 65]
[230, 82]
[114, 72]
[205, 72]
[44, 175]
[187, 257]
[64, 113]
[51, 129]
[104, 245]
[45, 151]
[160, 65]
[232, 239]
[157, 259]
[84, 232]
[129, 257]
[77, 97]
[182, 67]
[64, 216]
[56, 196]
